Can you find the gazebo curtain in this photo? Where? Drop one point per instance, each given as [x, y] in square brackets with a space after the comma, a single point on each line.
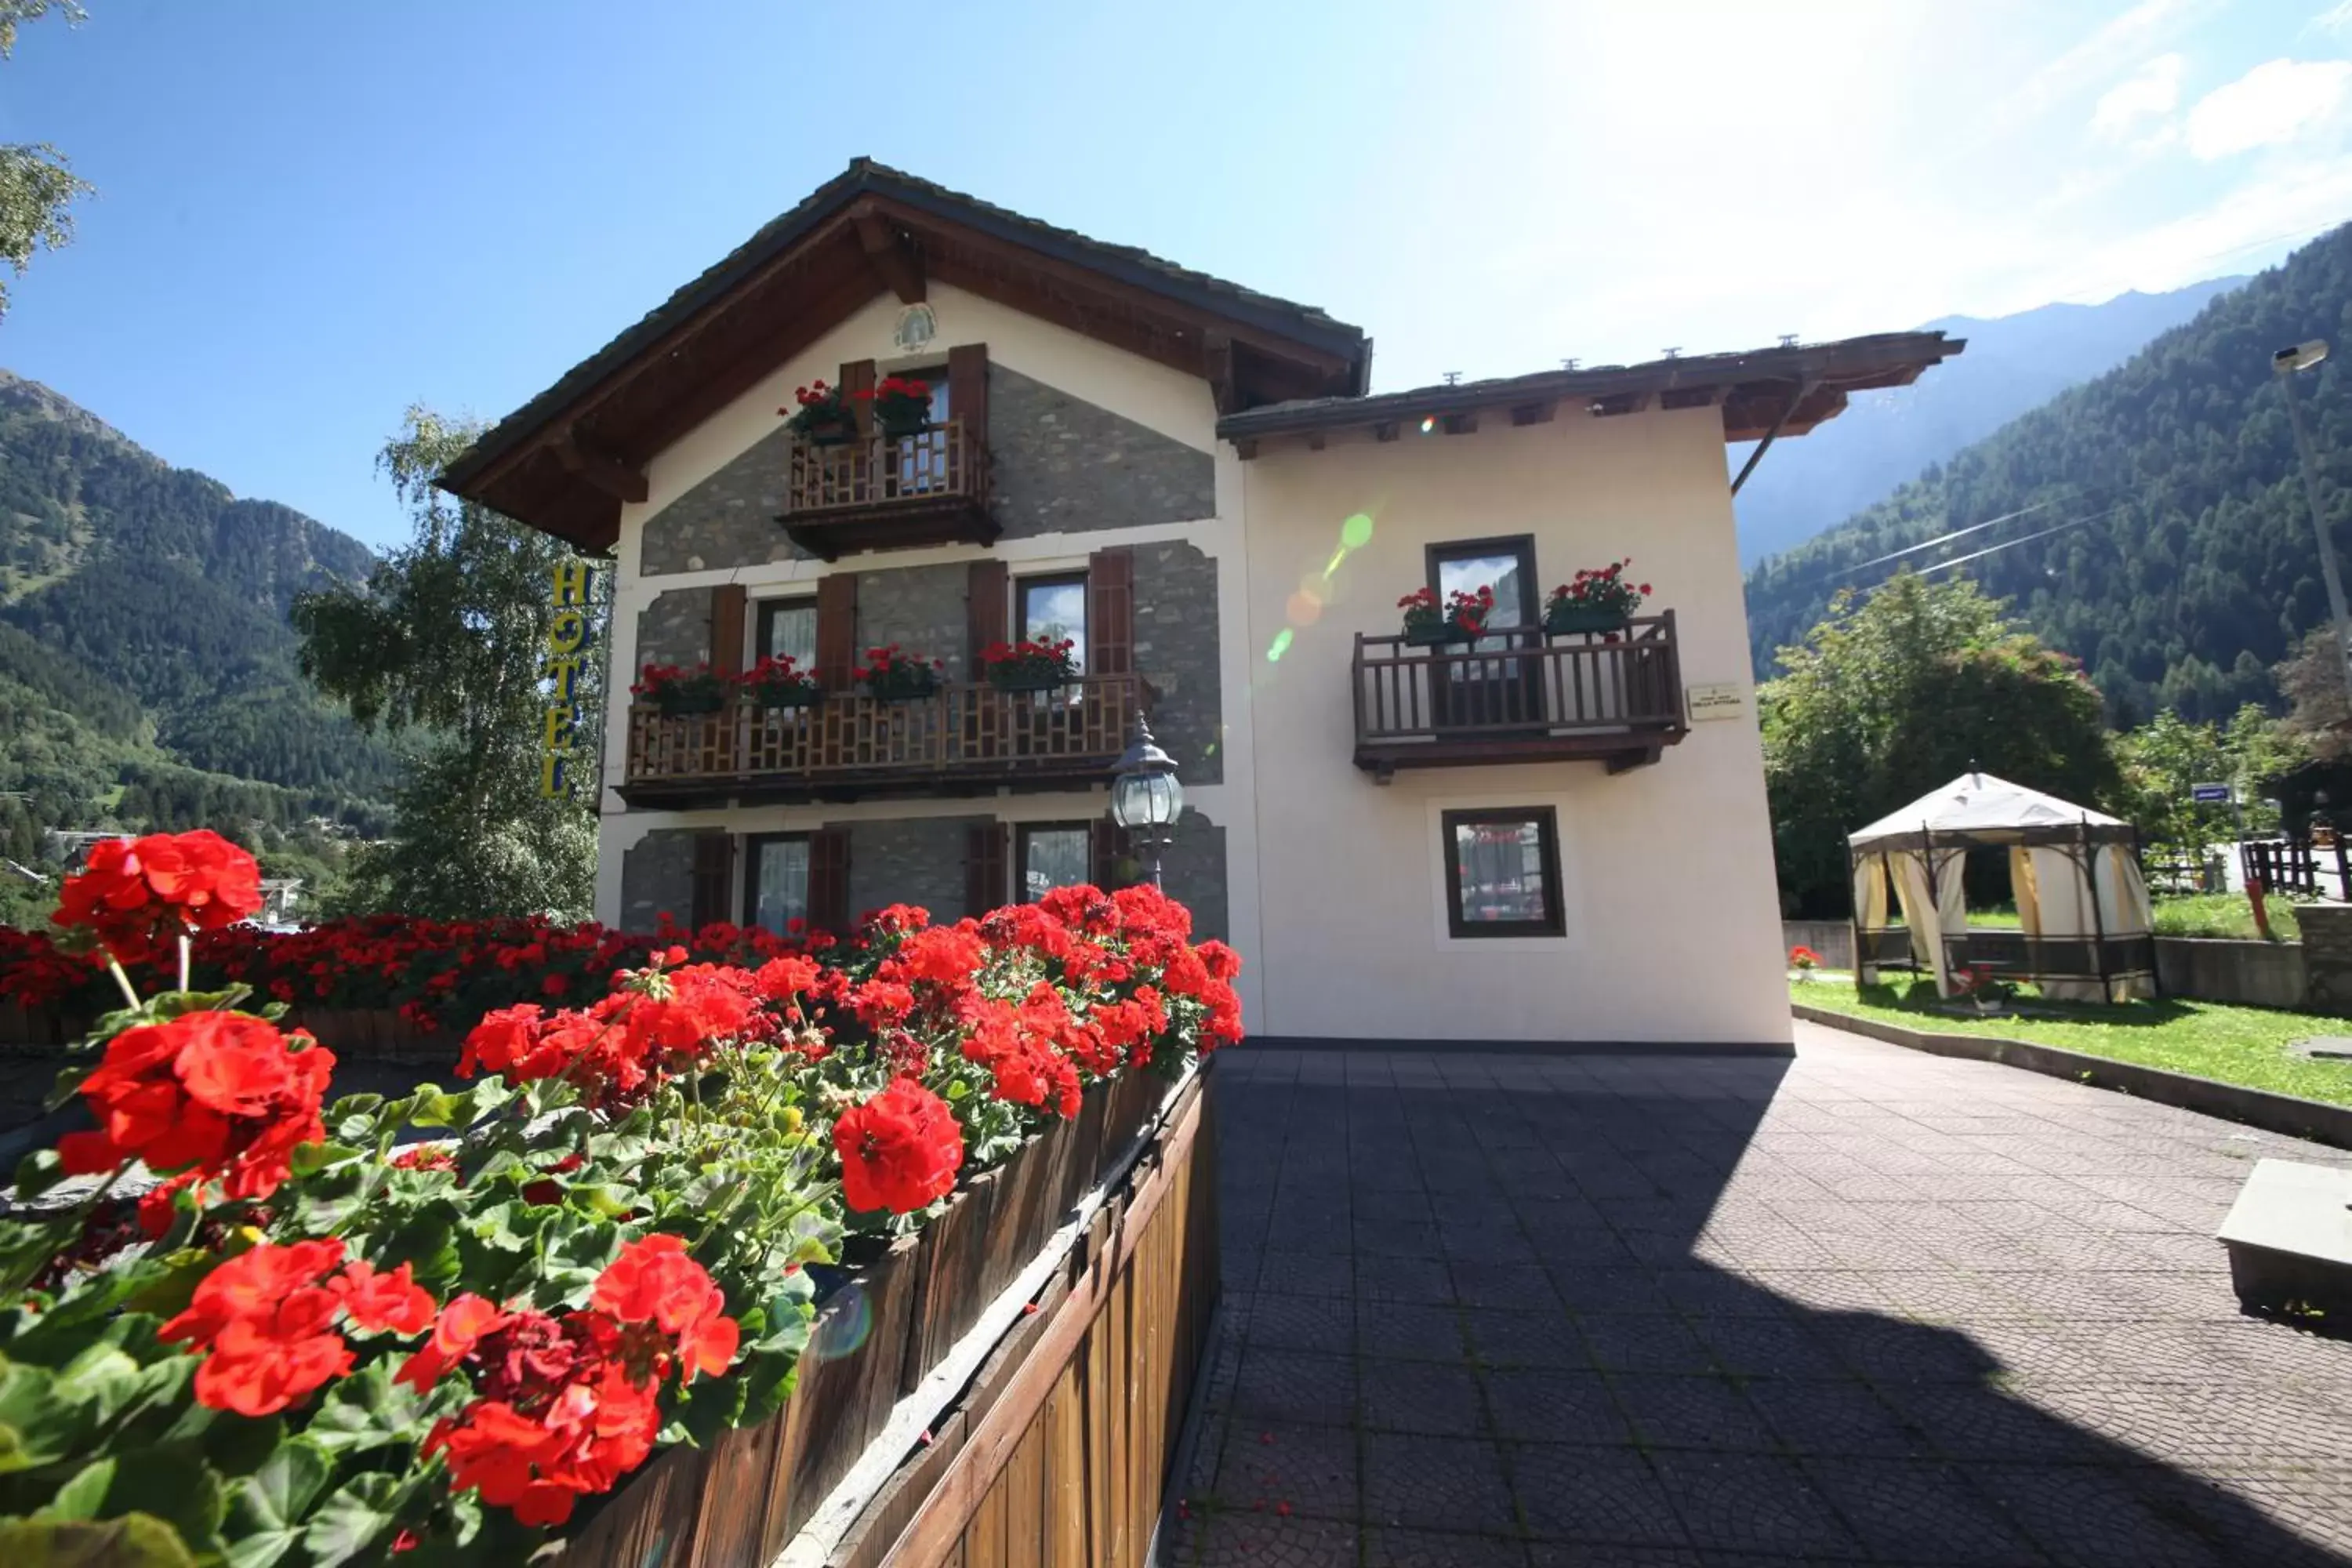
[1933, 907]
[2055, 889]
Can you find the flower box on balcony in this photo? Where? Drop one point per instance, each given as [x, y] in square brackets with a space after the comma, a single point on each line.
[891, 676]
[1562, 620]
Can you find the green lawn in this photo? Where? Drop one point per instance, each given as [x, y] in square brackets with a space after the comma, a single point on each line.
[2196, 914]
[2237, 1044]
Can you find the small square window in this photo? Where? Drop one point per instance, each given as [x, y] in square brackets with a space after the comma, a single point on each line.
[1502, 872]
[1053, 855]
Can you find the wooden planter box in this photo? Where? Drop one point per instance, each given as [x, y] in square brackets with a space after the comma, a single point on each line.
[1057, 1448]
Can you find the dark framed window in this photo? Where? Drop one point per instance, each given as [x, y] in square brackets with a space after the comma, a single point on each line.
[1047, 609]
[1049, 855]
[776, 881]
[1502, 872]
[1506, 565]
[787, 627]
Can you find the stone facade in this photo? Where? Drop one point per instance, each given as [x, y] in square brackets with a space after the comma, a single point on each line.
[924, 609]
[1176, 650]
[673, 629]
[727, 519]
[911, 860]
[2327, 955]
[1192, 872]
[657, 879]
[1064, 466]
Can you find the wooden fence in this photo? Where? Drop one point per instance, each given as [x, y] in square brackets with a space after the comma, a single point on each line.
[1058, 1448]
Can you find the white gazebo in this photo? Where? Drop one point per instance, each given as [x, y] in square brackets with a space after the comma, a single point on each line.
[2082, 906]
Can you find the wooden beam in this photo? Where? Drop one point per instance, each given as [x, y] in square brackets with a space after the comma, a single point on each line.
[584, 460]
[1246, 446]
[1534, 412]
[1217, 364]
[1315, 440]
[896, 262]
[1386, 430]
[1459, 424]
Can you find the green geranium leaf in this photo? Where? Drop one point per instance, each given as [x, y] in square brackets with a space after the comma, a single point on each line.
[350, 1105]
[360, 1513]
[81, 1497]
[40, 1423]
[37, 1172]
[135, 1541]
[267, 1507]
[309, 1159]
[367, 1410]
[174, 1485]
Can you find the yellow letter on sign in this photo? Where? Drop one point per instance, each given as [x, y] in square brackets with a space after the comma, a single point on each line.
[572, 581]
[554, 778]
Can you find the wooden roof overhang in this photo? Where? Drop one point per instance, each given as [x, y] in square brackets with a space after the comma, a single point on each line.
[1785, 391]
[566, 460]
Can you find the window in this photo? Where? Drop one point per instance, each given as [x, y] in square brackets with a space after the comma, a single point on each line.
[923, 459]
[1502, 872]
[1505, 565]
[1054, 855]
[788, 626]
[1047, 609]
[776, 883]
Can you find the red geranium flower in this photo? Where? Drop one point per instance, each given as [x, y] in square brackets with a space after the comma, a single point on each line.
[134, 893]
[899, 1150]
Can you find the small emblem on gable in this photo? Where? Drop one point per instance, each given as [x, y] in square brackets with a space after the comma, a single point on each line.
[916, 327]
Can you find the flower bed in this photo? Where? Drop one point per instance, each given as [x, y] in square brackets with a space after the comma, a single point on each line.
[317, 1340]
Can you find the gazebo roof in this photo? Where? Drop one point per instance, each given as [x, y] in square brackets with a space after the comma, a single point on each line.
[1977, 808]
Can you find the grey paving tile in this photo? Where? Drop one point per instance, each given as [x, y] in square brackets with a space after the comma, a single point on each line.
[1652, 1344]
[1281, 1321]
[1437, 1483]
[1512, 1339]
[1752, 1503]
[2088, 1517]
[1691, 1413]
[1249, 1540]
[1396, 1547]
[1312, 1470]
[1609, 1497]
[1916, 1512]
[1295, 1385]
[1421, 1396]
[1409, 1331]
[1833, 1419]
[1542, 1404]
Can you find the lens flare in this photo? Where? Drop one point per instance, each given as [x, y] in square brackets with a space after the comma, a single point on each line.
[1428, 424]
[845, 1323]
[1303, 609]
[1356, 533]
[1281, 645]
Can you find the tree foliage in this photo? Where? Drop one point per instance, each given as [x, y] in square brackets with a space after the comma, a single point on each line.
[2185, 567]
[37, 186]
[442, 646]
[1901, 690]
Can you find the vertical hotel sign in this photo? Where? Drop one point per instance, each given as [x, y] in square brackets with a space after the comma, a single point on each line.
[568, 637]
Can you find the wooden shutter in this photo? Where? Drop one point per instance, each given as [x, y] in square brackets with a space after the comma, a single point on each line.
[836, 629]
[985, 601]
[856, 376]
[727, 628]
[828, 885]
[985, 881]
[714, 877]
[1113, 857]
[967, 389]
[1111, 611]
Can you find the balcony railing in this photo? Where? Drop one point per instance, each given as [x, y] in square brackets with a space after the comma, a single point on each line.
[959, 737]
[1519, 696]
[880, 492]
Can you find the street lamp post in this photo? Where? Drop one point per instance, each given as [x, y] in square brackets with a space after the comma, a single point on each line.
[2285, 364]
[1145, 798]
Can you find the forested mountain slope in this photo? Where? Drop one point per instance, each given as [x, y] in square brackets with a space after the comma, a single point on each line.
[2013, 363]
[147, 674]
[2181, 564]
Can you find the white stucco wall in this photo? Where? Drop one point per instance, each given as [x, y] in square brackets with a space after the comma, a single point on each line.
[1669, 890]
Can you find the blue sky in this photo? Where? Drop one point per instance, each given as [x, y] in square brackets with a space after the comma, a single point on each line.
[312, 214]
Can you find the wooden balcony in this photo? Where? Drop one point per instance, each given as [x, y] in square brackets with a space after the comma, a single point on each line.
[890, 492]
[1519, 696]
[959, 740]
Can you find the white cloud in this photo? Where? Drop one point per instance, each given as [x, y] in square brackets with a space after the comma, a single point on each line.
[2276, 101]
[2151, 92]
[2336, 18]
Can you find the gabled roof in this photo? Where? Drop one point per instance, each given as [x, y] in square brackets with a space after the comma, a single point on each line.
[563, 461]
[1794, 386]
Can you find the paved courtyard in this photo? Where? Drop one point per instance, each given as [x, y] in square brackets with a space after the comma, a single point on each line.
[1866, 1305]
